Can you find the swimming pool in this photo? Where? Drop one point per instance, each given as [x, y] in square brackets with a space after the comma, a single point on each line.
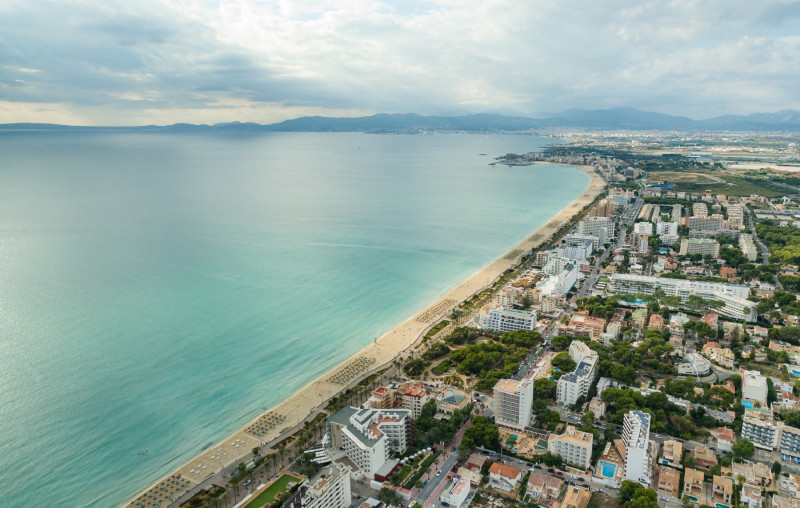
[747, 404]
[607, 469]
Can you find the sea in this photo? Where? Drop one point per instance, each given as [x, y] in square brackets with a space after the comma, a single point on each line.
[159, 290]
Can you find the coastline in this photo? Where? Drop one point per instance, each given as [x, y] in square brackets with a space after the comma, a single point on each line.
[282, 419]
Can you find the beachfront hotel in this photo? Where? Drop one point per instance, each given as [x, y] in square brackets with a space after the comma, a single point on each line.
[498, 318]
[513, 403]
[600, 227]
[368, 436]
[636, 438]
[574, 446]
[733, 296]
[330, 488]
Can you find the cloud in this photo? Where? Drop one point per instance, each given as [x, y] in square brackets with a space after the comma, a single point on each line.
[181, 59]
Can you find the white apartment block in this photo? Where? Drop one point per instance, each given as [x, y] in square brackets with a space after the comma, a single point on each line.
[456, 493]
[572, 386]
[513, 403]
[676, 213]
[508, 296]
[709, 224]
[574, 446]
[763, 434]
[368, 436]
[668, 231]
[733, 296]
[748, 247]
[700, 246]
[601, 227]
[577, 247]
[754, 386]
[498, 318]
[699, 210]
[643, 227]
[636, 438]
[330, 488]
[735, 215]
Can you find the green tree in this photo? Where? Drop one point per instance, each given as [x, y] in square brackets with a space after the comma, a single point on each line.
[743, 448]
[776, 468]
[563, 361]
[587, 418]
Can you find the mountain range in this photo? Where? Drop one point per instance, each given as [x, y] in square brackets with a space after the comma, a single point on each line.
[601, 119]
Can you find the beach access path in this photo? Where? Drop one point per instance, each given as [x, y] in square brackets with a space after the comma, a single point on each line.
[397, 343]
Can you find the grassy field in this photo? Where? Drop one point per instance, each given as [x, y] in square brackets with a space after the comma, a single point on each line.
[680, 177]
[718, 183]
[268, 496]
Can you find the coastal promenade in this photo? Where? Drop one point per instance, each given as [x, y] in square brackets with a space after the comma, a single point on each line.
[281, 420]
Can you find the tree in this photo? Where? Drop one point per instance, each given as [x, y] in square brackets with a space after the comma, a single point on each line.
[587, 418]
[255, 452]
[563, 361]
[743, 448]
[552, 459]
[389, 496]
[776, 468]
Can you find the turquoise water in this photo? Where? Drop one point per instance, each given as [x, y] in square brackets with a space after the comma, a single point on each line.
[607, 468]
[159, 290]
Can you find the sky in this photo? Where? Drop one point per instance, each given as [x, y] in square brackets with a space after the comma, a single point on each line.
[123, 62]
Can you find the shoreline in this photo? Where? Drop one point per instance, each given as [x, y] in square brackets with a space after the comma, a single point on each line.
[282, 420]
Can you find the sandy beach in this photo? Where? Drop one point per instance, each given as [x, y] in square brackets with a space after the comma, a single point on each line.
[280, 420]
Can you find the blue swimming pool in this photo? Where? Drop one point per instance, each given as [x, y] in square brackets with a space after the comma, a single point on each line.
[747, 404]
[607, 469]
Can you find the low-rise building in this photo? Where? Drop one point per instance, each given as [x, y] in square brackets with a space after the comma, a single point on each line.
[703, 457]
[695, 365]
[639, 318]
[543, 488]
[754, 473]
[474, 477]
[672, 454]
[574, 446]
[754, 386]
[751, 496]
[598, 407]
[669, 481]
[456, 493]
[576, 497]
[504, 477]
[722, 492]
[694, 485]
[725, 439]
[656, 323]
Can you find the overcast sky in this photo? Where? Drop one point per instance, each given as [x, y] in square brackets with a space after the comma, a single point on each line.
[134, 62]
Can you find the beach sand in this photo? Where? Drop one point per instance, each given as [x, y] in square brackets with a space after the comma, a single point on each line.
[307, 401]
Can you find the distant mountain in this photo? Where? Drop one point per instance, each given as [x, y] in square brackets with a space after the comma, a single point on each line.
[600, 119]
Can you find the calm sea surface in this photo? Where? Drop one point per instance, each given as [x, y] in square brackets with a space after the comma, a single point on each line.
[159, 290]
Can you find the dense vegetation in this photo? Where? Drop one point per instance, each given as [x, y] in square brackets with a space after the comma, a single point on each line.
[783, 242]
[429, 431]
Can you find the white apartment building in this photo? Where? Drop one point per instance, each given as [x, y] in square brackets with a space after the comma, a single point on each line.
[668, 231]
[709, 224]
[643, 228]
[413, 397]
[508, 296]
[762, 433]
[572, 386]
[694, 365]
[636, 438]
[754, 386]
[513, 403]
[498, 318]
[733, 296]
[574, 446]
[701, 246]
[369, 435]
[577, 247]
[555, 264]
[561, 283]
[748, 247]
[735, 215]
[601, 227]
[330, 488]
[676, 213]
[456, 493]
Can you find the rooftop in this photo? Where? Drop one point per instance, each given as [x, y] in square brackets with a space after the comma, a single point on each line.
[504, 470]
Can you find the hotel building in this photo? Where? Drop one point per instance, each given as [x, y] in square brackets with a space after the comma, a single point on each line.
[574, 446]
[513, 403]
[368, 436]
[636, 438]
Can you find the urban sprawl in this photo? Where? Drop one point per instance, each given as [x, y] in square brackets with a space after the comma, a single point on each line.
[648, 354]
